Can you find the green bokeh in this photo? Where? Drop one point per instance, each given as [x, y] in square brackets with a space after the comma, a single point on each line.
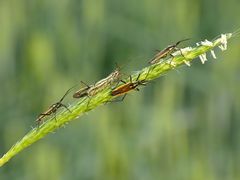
[183, 126]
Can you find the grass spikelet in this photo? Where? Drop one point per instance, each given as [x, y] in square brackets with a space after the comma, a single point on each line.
[83, 105]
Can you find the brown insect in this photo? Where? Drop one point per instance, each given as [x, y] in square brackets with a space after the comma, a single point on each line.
[126, 87]
[167, 51]
[53, 109]
[98, 86]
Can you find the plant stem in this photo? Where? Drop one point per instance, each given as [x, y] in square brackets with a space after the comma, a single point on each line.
[78, 108]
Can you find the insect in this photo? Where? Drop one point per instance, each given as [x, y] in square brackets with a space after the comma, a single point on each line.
[126, 87]
[98, 86]
[83, 91]
[53, 109]
[167, 51]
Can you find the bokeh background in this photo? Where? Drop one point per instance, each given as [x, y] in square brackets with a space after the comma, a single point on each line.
[185, 125]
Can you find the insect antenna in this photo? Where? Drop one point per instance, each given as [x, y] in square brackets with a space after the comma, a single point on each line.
[66, 93]
[85, 84]
[182, 41]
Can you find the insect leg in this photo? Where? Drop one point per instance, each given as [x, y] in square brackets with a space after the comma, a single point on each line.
[136, 79]
[63, 105]
[85, 84]
[123, 97]
[88, 101]
[171, 61]
[40, 118]
[180, 50]
[119, 100]
[123, 81]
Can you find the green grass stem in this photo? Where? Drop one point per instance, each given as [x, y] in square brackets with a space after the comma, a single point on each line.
[81, 106]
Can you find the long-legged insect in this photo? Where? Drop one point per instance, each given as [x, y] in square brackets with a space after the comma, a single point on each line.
[83, 91]
[92, 90]
[53, 109]
[167, 51]
[126, 87]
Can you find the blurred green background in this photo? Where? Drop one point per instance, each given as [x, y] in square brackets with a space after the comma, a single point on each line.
[184, 125]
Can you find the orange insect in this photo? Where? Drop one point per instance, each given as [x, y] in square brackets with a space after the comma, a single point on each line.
[98, 86]
[53, 109]
[167, 51]
[126, 87]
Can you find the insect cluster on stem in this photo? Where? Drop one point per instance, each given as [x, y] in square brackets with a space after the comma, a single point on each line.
[119, 86]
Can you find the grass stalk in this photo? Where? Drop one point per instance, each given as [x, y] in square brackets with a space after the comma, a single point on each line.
[78, 108]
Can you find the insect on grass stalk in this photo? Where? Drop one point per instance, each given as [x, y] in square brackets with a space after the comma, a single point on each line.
[83, 105]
